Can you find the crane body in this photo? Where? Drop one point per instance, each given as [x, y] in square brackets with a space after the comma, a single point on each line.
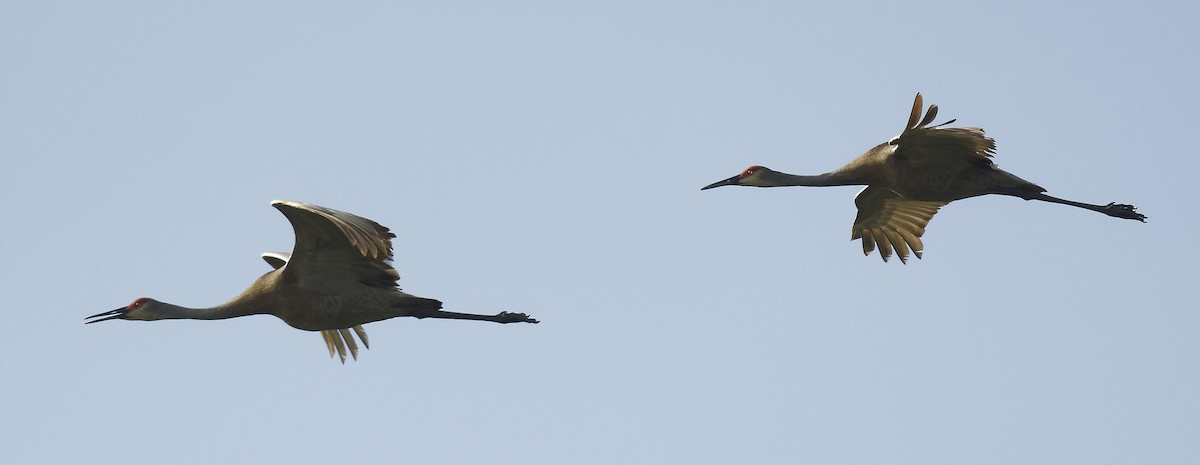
[337, 278]
[911, 176]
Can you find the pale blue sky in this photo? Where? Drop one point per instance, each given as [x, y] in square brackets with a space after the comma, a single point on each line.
[546, 157]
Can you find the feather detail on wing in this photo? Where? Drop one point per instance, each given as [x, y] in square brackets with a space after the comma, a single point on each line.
[370, 238]
[340, 340]
[892, 221]
[332, 245]
[921, 144]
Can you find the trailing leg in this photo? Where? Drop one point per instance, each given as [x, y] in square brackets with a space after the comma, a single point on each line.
[1117, 210]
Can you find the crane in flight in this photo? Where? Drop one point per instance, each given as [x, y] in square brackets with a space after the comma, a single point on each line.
[911, 176]
[337, 278]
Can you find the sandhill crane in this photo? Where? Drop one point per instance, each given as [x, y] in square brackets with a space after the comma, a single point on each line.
[337, 278]
[911, 176]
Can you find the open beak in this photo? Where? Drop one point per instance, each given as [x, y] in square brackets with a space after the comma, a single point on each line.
[724, 182]
[109, 315]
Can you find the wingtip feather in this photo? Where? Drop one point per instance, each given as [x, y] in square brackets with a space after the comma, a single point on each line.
[915, 115]
[929, 116]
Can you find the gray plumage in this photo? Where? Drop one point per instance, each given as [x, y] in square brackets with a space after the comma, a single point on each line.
[337, 278]
[911, 176]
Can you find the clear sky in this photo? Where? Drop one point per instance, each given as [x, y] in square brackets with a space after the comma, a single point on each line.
[546, 157]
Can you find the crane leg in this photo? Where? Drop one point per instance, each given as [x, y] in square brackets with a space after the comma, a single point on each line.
[1116, 210]
[502, 317]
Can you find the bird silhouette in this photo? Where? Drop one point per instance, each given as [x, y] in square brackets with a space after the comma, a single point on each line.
[911, 176]
[337, 278]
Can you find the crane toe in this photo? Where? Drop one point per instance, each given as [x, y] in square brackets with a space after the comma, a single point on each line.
[509, 317]
[1121, 210]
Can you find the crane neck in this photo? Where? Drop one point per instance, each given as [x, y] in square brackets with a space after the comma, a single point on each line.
[833, 178]
[220, 312]
[255, 300]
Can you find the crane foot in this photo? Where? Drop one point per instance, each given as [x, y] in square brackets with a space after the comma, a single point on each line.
[508, 317]
[1121, 210]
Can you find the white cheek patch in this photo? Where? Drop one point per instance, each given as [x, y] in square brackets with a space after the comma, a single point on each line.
[753, 181]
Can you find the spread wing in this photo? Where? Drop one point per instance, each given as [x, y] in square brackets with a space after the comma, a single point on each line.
[892, 221]
[335, 339]
[334, 246]
[923, 145]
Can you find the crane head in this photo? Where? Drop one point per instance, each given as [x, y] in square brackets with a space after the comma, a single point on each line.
[748, 177]
[141, 309]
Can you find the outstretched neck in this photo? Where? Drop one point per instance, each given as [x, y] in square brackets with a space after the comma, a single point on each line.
[833, 178]
[167, 311]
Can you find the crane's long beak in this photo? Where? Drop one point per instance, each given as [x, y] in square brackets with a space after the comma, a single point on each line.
[724, 182]
[109, 315]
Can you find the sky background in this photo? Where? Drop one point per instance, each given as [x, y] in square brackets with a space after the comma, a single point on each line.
[546, 157]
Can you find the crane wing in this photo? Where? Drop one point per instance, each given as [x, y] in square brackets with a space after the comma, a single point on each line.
[338, 340]
[341, 340]
[924, 145]
[333, 245]
[892, 221]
